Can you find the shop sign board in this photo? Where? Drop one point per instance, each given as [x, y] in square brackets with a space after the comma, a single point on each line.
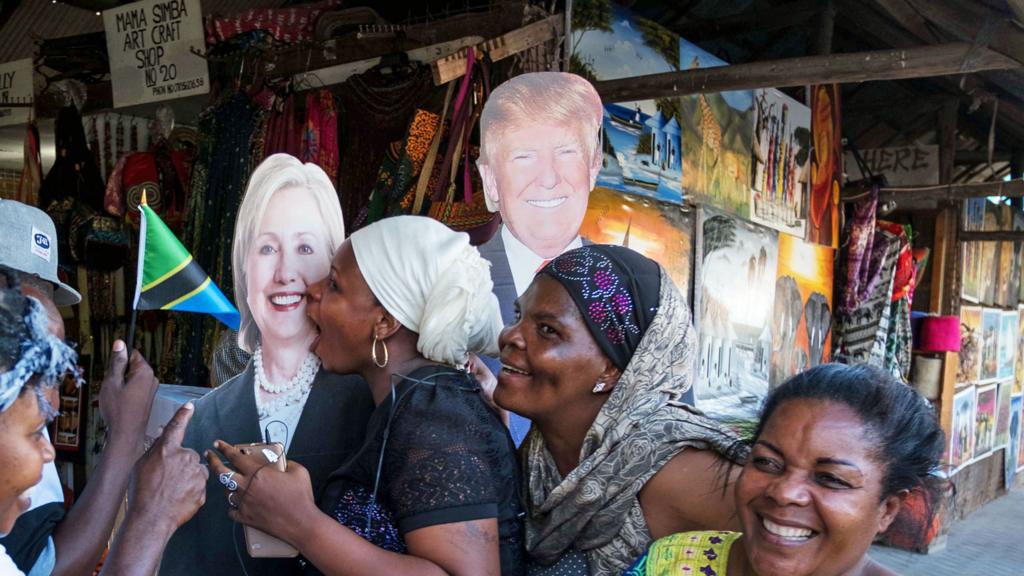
[148, 46]
[15, 87]
[902, 166]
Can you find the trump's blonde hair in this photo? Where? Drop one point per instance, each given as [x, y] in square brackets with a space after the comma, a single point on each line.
[541, 97]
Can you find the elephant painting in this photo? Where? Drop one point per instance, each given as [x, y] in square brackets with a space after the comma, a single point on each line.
[792, 354]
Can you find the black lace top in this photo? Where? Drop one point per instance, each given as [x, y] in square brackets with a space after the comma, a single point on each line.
[446, 457]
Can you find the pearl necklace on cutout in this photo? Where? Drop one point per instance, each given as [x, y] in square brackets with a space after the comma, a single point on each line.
[288, 393]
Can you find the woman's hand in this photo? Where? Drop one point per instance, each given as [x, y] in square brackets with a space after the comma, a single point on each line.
[487, 382]
[275, 502]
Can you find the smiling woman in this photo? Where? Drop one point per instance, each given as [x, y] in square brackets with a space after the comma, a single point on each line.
[599, 358]
[837, 450]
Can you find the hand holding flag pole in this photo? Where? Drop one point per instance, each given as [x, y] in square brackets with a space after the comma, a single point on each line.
[169, 279]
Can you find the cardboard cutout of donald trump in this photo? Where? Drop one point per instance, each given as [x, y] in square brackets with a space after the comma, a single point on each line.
[540, 155]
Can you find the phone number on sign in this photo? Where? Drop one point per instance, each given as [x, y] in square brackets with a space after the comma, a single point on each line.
[179, 86]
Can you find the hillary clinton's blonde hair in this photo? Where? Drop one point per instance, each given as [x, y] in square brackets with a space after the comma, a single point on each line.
[275, 173]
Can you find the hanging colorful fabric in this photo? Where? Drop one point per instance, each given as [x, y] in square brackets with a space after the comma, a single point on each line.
[282, 133]
[395, 189]
[320, 137]
[32, 171]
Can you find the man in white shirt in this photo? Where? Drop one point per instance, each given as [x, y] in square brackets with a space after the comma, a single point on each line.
[539, 159]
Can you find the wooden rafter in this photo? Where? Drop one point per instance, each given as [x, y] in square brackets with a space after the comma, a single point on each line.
[1018, 9]
[865, 22]
[909, 18]
[947, 192]
[967, 157]
[926, 61]
[968, 21]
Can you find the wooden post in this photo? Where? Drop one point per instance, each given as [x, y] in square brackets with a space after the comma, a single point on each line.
[567, 42]
[947, 155]
[950, 363]
[947, 140]
[826, 27]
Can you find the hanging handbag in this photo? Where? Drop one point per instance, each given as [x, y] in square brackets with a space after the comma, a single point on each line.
[467, 211]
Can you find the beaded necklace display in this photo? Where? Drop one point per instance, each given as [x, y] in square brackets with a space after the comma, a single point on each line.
[289, 393]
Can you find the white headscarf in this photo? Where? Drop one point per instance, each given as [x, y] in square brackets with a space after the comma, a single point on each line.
[432, 281]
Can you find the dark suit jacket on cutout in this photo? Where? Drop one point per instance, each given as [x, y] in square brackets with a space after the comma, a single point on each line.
[330, 430]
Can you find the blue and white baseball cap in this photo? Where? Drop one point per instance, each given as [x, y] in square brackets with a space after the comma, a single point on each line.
[28, 244]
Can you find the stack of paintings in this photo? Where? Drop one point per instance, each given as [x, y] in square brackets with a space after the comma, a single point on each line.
[961, 441]
[1014, 457]
[985, 420]
[973, 221]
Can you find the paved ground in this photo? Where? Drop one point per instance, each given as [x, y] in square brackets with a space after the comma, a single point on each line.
[989, 542]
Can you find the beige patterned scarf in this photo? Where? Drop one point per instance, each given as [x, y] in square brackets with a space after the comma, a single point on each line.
[643, 424]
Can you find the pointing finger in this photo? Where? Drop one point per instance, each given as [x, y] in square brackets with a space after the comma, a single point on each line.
[174, 431]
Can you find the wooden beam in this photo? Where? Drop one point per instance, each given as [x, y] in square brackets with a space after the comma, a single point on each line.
[967, 157]
[910, 17]
[950, 192]
[939, 60]
[950, 366]
[826, 27]
[947, 118]
[341, 72]
[991, 235]
[454, 66]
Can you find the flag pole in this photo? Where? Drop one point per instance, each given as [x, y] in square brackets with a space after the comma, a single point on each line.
[131, 331]
[130, 340]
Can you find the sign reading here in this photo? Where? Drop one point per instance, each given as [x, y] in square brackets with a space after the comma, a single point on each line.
[15, 87]
[148, 46]
[903, 166]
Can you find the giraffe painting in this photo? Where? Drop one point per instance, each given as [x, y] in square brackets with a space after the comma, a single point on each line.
[711, 139]
[717, 128]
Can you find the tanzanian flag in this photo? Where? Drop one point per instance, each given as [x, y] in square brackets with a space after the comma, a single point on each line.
[168, 277]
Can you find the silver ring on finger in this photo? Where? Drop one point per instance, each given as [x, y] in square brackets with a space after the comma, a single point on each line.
[227, 481]
[231, 502]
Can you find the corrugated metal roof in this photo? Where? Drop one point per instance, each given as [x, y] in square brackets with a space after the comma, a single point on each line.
[44, 19]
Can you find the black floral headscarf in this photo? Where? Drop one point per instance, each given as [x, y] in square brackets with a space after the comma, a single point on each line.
[617, 291]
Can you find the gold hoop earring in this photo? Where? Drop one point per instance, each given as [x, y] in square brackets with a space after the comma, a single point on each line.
[373, 352]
